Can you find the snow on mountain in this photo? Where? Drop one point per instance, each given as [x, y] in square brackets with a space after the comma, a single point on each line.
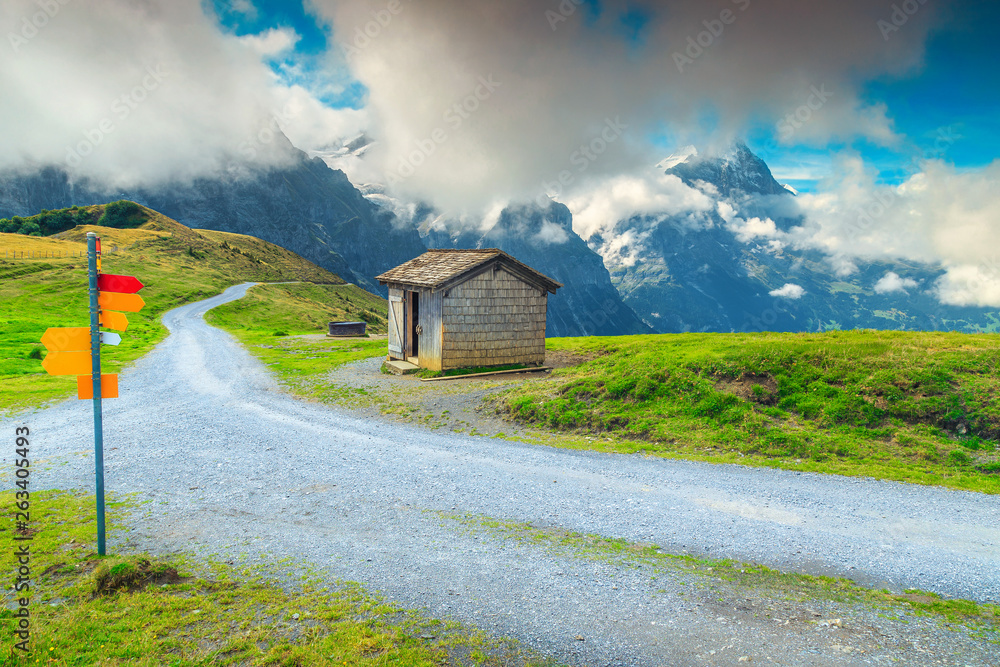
[680, 156]
[739, 264]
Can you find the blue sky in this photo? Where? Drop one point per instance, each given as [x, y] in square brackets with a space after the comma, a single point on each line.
[309, 63]
[947, 108]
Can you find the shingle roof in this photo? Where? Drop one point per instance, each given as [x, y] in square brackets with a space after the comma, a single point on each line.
[436, 267]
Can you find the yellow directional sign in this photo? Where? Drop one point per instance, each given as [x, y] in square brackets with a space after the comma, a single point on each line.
[112, 320]
[66, 339]
[68, 363]
[130, 303]
[85, 386]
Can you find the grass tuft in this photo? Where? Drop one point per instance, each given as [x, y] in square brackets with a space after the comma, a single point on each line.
[131, 573]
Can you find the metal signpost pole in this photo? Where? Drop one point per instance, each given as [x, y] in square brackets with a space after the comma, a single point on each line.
[93, 261]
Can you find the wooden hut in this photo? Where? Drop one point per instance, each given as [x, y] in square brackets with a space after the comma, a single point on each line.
[463, 308]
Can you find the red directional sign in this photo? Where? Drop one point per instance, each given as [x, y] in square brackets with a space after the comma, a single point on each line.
[107, 282]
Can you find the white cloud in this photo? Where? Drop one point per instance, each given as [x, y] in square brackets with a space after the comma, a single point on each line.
[939, 215]
[601, 206]
[842, 266]
[624, 249]
[551, 233]
[272, 42]
[726, 211]
[244, 7]
[560, 84]
[969, 285]
[309, 123]
[754, 228]
[134, 93]
[892, 282]
[789, 291]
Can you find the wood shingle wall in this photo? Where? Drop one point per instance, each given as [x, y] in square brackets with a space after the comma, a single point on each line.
[492, 319]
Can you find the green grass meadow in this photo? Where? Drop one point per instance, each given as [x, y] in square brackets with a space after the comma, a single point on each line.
[293, 310]
[907, 406]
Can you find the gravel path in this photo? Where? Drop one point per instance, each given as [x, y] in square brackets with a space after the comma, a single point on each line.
[233, 466]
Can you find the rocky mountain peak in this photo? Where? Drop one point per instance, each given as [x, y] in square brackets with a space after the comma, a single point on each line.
[737, 171]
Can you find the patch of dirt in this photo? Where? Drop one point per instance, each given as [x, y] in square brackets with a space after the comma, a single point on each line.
[129, 575]
[567, 359]
[461, 405]
[760, 389]
[878, 401]
[53, 568]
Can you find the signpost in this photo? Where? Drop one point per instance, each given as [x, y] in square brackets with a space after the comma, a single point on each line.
[77, 351]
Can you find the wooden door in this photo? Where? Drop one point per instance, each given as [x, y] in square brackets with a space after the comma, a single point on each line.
[396, 325]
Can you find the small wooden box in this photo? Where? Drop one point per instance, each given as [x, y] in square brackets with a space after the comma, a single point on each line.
[348, 328]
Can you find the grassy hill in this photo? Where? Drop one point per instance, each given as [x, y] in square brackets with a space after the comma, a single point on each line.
[43, 283]
[910, 406]
[284, 310]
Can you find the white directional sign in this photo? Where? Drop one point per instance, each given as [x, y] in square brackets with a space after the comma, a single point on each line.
[108, 338]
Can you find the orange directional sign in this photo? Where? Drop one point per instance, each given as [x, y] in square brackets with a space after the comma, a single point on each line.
[68, 363]
[66, 339]
[112, 320]
[130, 303]
[85, 386]
[107, 282]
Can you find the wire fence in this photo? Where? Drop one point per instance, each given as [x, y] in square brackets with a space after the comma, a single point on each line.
[56, 254]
